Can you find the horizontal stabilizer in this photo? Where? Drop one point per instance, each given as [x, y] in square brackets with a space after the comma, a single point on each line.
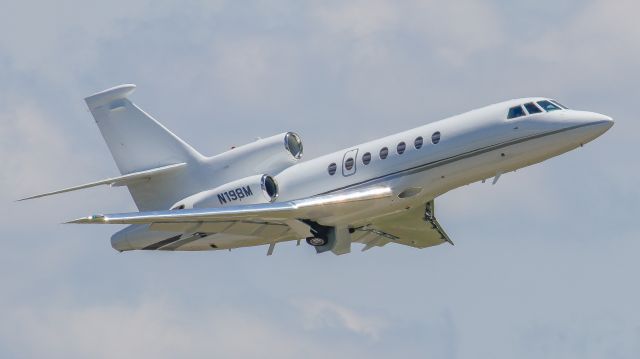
[125, 180]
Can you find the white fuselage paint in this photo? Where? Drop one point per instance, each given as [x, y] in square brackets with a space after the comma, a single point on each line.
[473, 146]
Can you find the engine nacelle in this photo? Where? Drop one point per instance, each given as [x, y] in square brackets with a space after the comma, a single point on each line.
[249, 190]
[267, 155]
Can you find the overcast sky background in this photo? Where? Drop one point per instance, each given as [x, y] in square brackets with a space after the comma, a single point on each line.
[545, 263]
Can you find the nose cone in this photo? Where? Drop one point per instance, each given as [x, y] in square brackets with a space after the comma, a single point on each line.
[588, 126]
[600, 123]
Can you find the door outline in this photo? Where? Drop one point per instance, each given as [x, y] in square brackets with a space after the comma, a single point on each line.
[349, 154]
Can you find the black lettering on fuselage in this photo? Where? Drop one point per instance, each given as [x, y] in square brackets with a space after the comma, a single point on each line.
[236, 194]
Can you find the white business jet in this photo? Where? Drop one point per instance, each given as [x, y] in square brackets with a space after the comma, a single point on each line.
[373, 193]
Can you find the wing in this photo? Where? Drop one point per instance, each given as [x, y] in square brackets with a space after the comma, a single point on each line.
[417, 228]
[242, 226]
[249, 225]
[279, 212]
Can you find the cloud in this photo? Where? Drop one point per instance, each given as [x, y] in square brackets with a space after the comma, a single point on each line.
[456, 30]
[543, 247]
[161, 328]
[32, 146]
[154, 328]
[322, 314]
[597, 42]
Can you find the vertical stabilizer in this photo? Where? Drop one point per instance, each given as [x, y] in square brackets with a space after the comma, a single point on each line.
[137, 143]
[136, 140]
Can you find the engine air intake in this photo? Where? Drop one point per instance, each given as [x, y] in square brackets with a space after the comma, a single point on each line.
[269, 187]
[293, 144]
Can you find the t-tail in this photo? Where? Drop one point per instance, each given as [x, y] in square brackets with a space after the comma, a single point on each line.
[151, 159]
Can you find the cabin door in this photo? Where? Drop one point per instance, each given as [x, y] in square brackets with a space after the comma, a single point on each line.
[349, 162]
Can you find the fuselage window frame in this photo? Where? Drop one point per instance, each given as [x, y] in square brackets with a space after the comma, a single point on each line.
[435, 138]
[402, 146]
[532, 108]
[515, 112]
[418, 142]
[332, 168]
[384, 153]
[559, 104]
[551, 108]
[366, 158]
[349, 163]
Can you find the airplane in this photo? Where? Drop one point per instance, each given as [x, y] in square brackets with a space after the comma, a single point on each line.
[261, 193]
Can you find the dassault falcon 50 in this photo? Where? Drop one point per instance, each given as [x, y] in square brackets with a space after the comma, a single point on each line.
[372, 193]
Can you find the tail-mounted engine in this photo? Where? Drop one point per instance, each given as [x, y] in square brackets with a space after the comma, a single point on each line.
[267, 155]
[249, 190]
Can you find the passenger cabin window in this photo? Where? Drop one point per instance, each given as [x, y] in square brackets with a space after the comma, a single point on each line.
[401, 147]
[418, 143]
[548, 106]
[332, 169]
[366, 158]
[384, 152]
[516, 111]
[435, 138]
[348, 164]
[532, 108]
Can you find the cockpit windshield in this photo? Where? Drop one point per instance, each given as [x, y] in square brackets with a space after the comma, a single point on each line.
[548, 106]
[559, 104]
[516, 111]
[532, 108]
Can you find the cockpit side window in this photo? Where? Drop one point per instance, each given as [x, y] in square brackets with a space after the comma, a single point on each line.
[532, 108]
[548, 106]
[515, 111]
[559, 104]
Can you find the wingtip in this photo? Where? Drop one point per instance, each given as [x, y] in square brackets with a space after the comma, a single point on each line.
[98, 218]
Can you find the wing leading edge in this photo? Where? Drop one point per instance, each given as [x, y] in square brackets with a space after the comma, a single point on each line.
[311, 207]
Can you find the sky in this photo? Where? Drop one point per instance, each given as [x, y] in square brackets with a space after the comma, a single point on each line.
[545, 262]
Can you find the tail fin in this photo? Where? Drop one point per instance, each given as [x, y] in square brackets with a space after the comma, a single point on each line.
[138, 143]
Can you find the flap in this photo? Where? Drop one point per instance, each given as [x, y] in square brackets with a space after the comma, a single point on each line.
[417, 228]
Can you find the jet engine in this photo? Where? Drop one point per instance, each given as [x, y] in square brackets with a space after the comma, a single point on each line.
[267, 155]
[249, 190]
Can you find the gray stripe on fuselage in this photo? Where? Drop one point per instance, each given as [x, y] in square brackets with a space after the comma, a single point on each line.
[462, 156]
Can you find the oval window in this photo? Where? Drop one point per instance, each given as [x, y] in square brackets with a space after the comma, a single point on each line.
[348, 164]
[401, 147]
[384, 152]
[435, 138]
[366, 158]
[332, 169]
[418, 143]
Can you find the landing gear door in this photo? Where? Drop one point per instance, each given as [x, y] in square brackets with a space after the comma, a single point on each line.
[349, 162]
